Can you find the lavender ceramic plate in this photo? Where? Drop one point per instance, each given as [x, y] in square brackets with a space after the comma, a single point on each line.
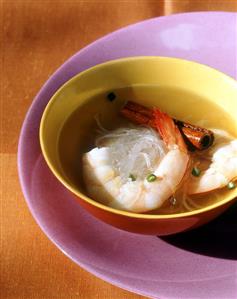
[201, 264]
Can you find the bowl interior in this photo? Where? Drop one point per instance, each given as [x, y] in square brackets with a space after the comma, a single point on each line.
[186, 90]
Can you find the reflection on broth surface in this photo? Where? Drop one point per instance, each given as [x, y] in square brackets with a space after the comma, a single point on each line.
[80, 131]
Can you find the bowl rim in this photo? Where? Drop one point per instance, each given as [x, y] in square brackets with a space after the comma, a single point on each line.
[99, 205]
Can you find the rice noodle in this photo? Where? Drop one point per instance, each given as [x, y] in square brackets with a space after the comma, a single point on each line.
[133, 150]
[186, 204]
[100, 126]
[194, 204]
[186, 200]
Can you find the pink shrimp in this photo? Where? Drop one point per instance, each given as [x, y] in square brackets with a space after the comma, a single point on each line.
[143, 194]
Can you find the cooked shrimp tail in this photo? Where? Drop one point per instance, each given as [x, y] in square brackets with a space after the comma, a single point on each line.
[221, 171]
[105, 180]
[169, 132]
[195, 137]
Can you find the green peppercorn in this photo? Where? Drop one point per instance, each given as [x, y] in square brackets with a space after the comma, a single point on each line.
[132, 177]
[111, 96]
[151, 178]
[231, 185]
[196, 171]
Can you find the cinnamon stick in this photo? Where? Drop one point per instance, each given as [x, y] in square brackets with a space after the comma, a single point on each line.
[195, 137]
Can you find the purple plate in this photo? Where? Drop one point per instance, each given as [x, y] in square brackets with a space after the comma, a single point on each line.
[200, 264]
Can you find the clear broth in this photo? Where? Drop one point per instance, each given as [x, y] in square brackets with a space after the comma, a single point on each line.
[182, 105]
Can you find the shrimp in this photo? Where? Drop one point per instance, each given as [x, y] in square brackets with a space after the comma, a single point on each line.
[104, 183]
[222, 168]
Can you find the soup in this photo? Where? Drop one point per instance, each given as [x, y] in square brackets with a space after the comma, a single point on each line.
[107, 109]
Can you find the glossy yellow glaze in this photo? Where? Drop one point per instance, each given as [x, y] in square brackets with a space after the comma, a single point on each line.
[181, 88]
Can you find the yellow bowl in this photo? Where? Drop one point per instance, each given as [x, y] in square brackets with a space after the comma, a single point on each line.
[186, 90]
